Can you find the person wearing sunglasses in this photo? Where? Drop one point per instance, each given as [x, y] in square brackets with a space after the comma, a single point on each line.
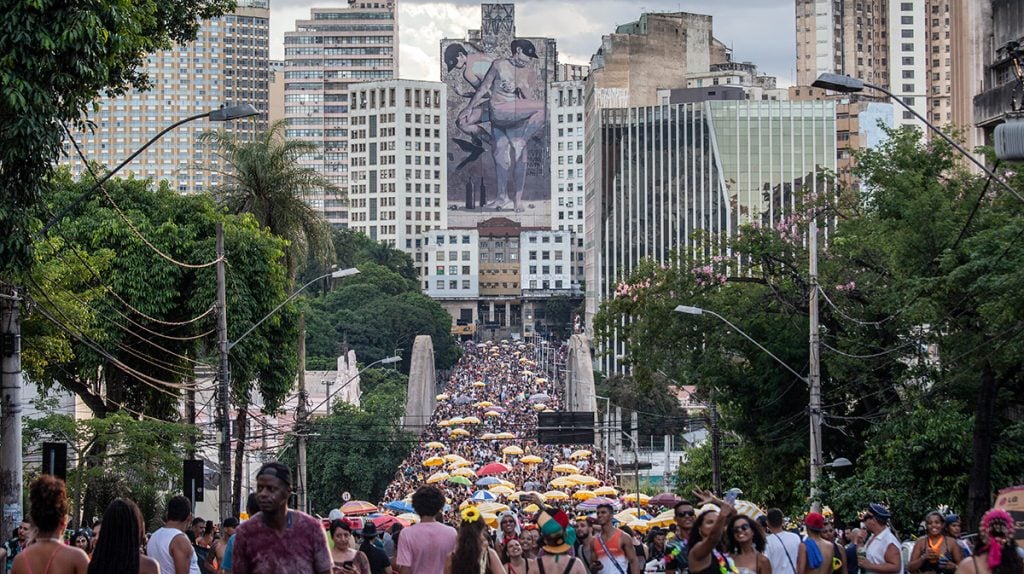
[676, 543]
[881, 554]
[745, 542]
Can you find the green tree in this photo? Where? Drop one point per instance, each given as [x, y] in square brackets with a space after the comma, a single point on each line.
[58, 59]
[358, 449]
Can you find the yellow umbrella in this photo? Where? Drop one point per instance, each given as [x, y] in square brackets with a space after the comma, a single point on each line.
[606, 491]
[437, 477]
[639, 525]
[562, 482]
[484, 404]
[556, 495]
[628, 515]
[531, 459]
[540, 380]
[492, 414]
[505, 435]
[461, 464]
[471, 421]
[444, 423]
[479, 384]
[411, 517]
[566, 469]
[490, 519]
[501, 489]
[459, 432]
[493, 507]
[452, 458]
[512, 449]
[667, 518]
[632, 497]
[463, 472]
[531, 508]
[539, 407]
[455, 421]
[580, 454]
[488, 436]
[585, 480]
[435, 444]
[442, 397]
[528, 373]
[583, 495]
[433, 461]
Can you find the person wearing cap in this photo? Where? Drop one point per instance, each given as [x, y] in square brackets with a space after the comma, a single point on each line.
[557, 538]
[279, 540]
[815, 554]
[934, 552]
[882, 549]
[379, 562]
[953, 529]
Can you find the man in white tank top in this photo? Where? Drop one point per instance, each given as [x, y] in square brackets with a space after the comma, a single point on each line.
[169, 545]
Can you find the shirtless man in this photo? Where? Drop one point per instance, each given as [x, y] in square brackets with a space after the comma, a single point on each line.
[516, 115]
[815, 524]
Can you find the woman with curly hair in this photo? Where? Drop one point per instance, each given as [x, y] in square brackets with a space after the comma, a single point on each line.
[745, 542]
[119, 551]
[473, 554]
[935, 552]
[707, 553]
[997, 551]
[49, 514]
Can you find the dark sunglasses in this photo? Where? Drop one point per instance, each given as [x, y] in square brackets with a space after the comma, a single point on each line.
[741, 528]
[685, 513]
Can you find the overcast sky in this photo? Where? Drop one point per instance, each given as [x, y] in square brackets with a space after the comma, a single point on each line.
[759, 31]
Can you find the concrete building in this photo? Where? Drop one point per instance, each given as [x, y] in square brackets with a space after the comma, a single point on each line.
[498, 167]
[571, 72]
[324, 55]
[1003, 33]
[971, 48]
[568, 170]
[396, 151]
[661, 173]
[737, 74]
[275, 107]
[449, 264]
[656, 51]
[227, 64]
[847, 37]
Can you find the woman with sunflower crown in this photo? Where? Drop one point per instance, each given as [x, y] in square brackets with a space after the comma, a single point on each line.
[473, 553]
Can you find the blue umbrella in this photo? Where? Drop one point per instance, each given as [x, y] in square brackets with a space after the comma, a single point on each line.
[484, 495]
[487, 481]
[399, 506]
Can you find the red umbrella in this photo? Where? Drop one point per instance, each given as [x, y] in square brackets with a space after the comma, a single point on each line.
[385, 522]
[357, 508]
[493, 468]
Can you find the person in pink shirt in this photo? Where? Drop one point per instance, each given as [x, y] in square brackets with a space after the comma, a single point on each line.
[423, 548]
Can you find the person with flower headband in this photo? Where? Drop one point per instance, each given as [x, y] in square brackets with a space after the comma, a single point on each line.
[706, 555]
[473, 554]
[997, 552]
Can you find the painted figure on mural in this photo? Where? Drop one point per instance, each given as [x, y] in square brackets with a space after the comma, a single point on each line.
[510, 91]
[474, 66]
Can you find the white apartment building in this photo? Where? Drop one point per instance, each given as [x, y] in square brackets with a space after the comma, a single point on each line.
[738, 74]
[227, 64]
[449, 264]
[908, 59]
[397, 153]
[324, 56]
[566, 106]
[545, 262]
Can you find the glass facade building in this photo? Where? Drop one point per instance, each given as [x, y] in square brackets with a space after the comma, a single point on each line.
[664, 179]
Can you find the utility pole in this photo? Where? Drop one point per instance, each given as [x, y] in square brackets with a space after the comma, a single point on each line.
[224, 380]
[814, 376]
[11, 477]
[301, 417]
[634, 435]
[668, 462]
[716, 451]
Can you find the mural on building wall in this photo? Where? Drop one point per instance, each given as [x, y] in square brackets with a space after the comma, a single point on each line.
[498, 137]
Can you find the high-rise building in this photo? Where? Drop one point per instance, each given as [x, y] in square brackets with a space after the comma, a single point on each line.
[275, 108]
[397, 152]
[970, 50]
[662, 173]
[568, 170]
[903, 45]
[499, 150]
[324, 56]
[226, 65]
[1000, 25]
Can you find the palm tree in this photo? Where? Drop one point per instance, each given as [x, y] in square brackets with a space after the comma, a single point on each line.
[263, 177]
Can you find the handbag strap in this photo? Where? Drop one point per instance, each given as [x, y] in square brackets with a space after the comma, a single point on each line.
[607, 553]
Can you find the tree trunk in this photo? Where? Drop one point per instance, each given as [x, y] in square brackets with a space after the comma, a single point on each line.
[241, 426]
[979, 489]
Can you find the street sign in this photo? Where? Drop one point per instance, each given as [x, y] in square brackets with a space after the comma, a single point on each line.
[346, 496]
[565, 428]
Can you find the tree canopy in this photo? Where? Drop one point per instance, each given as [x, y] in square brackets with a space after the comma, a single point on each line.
[917, 276]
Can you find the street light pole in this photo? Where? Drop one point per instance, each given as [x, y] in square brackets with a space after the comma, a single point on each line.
[11, 463]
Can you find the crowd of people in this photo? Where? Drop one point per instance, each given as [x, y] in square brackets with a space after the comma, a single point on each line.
[451, 530]
[498, 385]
